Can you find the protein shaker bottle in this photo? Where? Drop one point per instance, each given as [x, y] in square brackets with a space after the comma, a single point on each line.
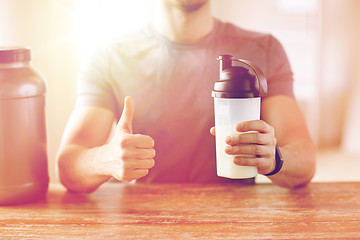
[237, 95]
[23, 156]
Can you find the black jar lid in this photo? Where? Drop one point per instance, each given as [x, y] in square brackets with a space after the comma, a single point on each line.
[14, 54]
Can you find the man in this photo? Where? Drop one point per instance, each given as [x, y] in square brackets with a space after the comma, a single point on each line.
[169, 69]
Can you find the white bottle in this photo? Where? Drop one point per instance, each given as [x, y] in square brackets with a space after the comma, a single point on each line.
[237, 98]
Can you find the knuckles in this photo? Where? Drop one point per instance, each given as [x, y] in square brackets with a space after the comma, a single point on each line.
[150, 141]
[124, 154]
[258, 137]
[127, 149]
[125, 141]
[257, 149]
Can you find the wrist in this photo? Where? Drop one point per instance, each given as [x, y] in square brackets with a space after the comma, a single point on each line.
[278, 162]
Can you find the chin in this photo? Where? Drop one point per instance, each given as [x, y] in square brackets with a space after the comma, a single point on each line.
[189, 5]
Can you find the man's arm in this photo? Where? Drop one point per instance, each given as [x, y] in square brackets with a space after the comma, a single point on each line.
[293, 138]
[86, 159]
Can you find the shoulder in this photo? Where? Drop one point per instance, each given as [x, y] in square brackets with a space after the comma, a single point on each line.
[229, 31]
[133, 43]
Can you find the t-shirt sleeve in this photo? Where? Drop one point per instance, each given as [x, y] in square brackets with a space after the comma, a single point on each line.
[279, 73]
[94, 83]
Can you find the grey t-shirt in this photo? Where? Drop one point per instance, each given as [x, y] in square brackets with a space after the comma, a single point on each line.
[171, 85]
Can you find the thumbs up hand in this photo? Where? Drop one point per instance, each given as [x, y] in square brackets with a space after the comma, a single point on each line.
[125, 123]
[132, 155]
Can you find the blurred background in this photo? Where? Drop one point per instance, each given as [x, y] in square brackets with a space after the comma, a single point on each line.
[321, 38]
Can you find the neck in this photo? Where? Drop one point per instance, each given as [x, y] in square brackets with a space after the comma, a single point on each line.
[182, 25]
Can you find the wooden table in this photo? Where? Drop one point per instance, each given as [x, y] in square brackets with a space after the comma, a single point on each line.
[137, 211]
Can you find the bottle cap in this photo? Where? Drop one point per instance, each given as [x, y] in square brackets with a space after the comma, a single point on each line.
[238, 81]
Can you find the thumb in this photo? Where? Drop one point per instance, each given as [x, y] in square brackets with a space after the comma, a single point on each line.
[125, 122]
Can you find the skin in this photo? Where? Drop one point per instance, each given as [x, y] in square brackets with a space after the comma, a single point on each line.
[87, 157]
[282, 124]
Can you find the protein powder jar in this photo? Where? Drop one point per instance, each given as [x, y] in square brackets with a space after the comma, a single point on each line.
[23, 149]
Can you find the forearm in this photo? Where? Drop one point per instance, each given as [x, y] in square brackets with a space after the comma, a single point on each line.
[78, 170]
[299, 164]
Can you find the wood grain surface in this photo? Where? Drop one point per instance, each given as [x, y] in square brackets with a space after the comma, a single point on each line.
[175, 211]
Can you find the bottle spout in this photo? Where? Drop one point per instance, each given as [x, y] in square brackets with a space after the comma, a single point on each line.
[225, 61]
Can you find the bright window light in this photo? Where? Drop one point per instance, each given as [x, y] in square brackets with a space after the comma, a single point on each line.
[298, 6]
[100, 21]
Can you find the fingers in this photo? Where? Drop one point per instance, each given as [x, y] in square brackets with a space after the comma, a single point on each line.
[136, 141]
[253, 145]
[129, 176]
[139, 164]
[255, 125]
[264, 165]
[259, 140]
[135, 156]
[138, 153]
[135, 169]
[125, 122]
[261, 156]
[128, 168]
[251, 137]
[138, 173]
[250, 149]
[255, 132]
